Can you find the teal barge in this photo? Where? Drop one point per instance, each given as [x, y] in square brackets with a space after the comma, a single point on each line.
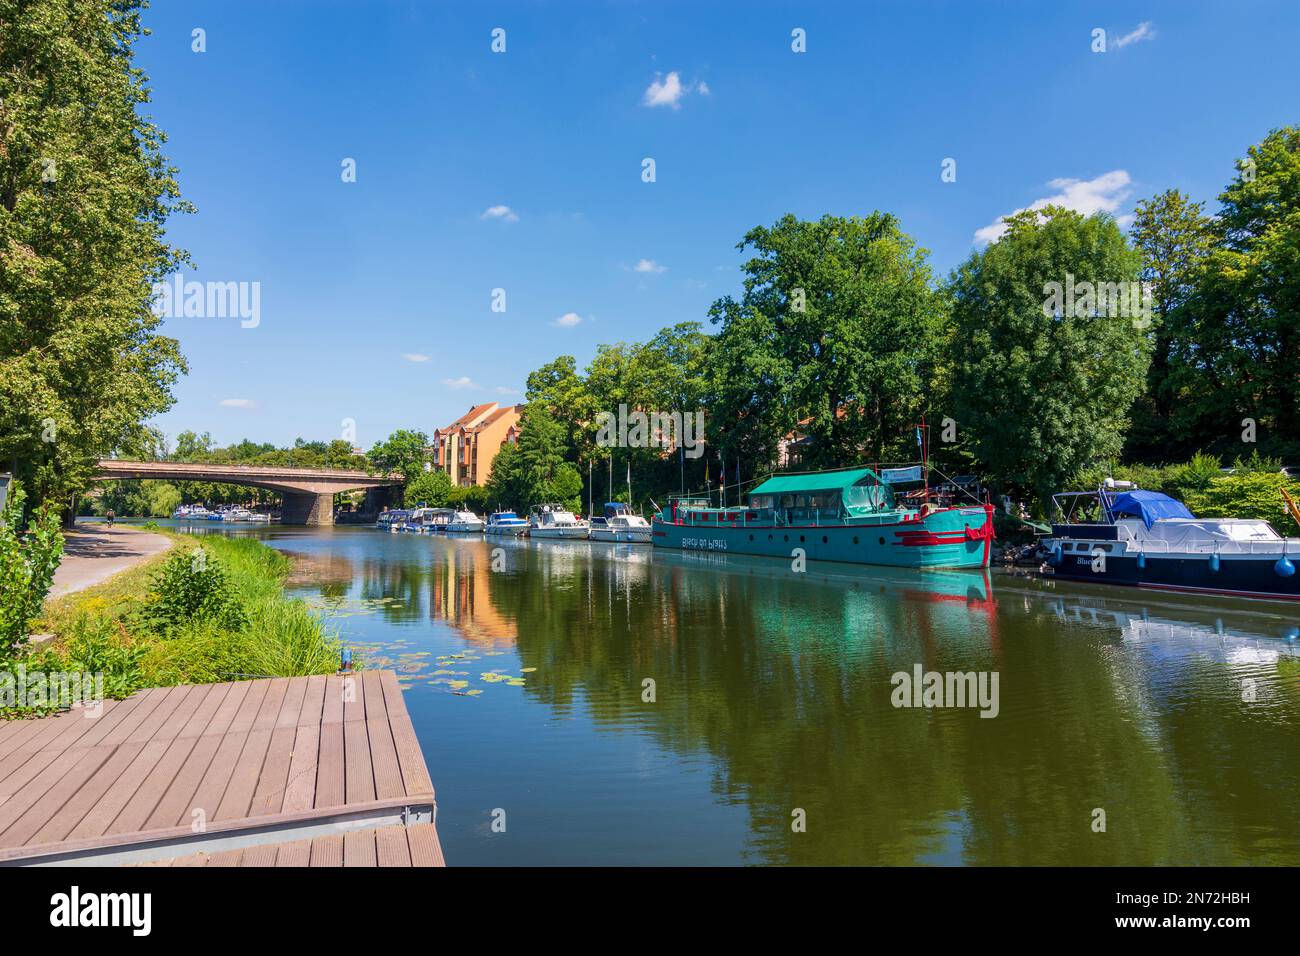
[848, 515]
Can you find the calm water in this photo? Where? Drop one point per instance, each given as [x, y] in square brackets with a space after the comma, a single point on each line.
[773, 695]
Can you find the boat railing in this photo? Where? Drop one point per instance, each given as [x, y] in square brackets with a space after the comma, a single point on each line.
[1135, 544]
[1263, 546]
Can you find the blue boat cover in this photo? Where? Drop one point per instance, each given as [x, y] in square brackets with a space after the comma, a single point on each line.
[1150, 506]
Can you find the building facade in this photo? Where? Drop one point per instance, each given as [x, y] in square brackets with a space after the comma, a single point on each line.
[466, 448]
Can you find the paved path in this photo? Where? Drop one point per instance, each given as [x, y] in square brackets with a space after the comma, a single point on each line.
[95, 552]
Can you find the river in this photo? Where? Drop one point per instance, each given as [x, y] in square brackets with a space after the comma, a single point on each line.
[1129, 728]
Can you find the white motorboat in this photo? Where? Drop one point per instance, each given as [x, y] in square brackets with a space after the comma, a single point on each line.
[619, 524]
[427, 520]
[505, 523]
[1121, 534]
[465, 522]
[555, 521]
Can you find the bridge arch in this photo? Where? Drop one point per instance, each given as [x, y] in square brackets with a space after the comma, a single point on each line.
[308, 492]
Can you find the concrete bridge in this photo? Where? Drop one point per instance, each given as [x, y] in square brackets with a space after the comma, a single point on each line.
[308, 492]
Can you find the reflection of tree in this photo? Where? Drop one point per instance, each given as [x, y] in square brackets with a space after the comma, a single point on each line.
[782, 680]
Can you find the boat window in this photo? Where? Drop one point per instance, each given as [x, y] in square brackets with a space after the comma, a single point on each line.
[787, 501]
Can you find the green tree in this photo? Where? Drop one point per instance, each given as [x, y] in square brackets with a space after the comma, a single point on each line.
[85, 194]
[1173, 235]
[402, 452]
[507, 488]
[1243, 315]
[838, 323]
[27, 565]
[432, 488]
[565, 394]
[1044, 387]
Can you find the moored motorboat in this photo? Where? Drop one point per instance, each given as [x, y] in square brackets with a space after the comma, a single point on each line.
[555, 521]
[505, 523]
[619, 524]
[392, 520]
[1121, 534]
[464, 522]
[848, 514]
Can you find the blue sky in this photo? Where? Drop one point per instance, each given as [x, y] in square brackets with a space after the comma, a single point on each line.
[522, 170]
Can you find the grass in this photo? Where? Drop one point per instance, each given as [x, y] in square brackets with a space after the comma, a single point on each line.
[113, 628]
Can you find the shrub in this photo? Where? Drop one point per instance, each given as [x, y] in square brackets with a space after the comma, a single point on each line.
[27, 565]
[1247, 495]
[189, 587]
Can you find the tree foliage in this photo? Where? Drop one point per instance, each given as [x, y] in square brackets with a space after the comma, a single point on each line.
[27, 565]
[839, 322]
[1243, 356]
[1039, 391]
[85, 193]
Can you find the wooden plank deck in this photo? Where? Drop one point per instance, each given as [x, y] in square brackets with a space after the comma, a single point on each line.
[309, 771]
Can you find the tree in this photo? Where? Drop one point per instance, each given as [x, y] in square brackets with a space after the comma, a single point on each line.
[1043, 386]
[430, 488]
[402, 452]
[27, 566]
[558, 386]
[1243, 315]
[507, 487]
[85, 194]
[1173, 235]
[534, 471]
[838, 323]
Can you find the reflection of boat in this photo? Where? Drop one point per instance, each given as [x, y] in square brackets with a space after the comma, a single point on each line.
[1120, 534]
[846, 515]
[505, 522]
[464, 522]
[618, 523]
[555, 521]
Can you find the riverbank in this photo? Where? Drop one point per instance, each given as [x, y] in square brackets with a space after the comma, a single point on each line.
[200, 611]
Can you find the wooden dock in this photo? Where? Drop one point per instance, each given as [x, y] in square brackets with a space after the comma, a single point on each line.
[290, 771]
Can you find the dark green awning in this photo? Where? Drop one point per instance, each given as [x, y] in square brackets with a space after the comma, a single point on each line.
[815, 481]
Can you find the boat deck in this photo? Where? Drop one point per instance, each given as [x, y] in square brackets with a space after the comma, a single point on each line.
[280, 771]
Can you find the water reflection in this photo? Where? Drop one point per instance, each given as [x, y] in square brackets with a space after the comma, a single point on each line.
[1175, 719]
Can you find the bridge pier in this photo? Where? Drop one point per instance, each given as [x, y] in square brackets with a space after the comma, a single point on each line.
[306, 507]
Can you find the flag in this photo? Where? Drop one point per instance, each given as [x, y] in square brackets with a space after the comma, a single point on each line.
[918, 438]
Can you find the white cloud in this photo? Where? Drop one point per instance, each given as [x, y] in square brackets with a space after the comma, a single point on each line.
[669, 90]
[503, 212]
[1143, 31]
[1086, 196]
[502, 390]
[238, 403]
[464, 382]
[568, 320]
[649, 265]
[415, 357]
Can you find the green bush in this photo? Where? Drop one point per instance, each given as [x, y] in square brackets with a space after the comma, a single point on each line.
[27, 566]
[1252, 490]
[1248, 495]
[189, 586]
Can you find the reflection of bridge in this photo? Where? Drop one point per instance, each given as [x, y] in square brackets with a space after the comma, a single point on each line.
[308, 492]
